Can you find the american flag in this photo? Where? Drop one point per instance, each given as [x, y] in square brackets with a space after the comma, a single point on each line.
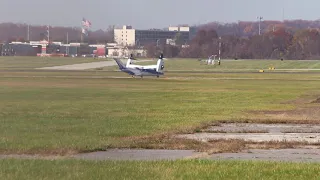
[86, 23]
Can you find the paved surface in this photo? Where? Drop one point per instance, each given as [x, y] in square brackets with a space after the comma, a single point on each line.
[119, 154]
[284, 155]
[81, 66]
[84, 66]
[251, 132]
[268, 128]
[128, 154]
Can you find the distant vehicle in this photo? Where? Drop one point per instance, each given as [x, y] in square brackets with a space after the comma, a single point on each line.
[152, 70]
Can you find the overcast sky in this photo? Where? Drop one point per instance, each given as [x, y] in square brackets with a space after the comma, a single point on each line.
[144, 14]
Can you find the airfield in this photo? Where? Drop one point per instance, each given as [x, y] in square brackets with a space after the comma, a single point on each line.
[82, 116]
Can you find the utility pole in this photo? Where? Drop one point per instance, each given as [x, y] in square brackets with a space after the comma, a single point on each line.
[259, 18]
[67, 47]
[67, 37]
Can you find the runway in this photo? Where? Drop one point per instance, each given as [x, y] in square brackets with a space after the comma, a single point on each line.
[161, 78]
[84, 66]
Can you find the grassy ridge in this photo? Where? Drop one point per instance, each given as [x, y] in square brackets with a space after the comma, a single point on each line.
[196, 169]
[67, 114]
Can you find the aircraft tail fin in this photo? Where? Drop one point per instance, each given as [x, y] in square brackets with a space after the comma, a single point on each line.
[120, 64]
[130, 60]
[161, 56]
[160, 64]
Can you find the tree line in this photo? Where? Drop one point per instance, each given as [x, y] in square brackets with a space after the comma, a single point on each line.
[19, 32]
[279, 40]
[276, 44]
[294, 39]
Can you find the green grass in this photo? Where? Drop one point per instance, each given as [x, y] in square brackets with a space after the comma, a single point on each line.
[232, 65]
[195, 169]
[54, 112]
[50, 115]
[20, 62]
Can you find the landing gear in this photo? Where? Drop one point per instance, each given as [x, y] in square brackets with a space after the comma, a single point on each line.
[141, 76]
[158, 76]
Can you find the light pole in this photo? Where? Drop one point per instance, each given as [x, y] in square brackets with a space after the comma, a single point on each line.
[259, 18]
[28, 32]
[219, 48]
[67, 47]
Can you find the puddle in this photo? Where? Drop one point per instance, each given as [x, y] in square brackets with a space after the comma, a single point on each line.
[283, 155]
[259, 133]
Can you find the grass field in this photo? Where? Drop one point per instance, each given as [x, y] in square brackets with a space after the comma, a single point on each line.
[41, 115]
[52, 112]
[30, 169]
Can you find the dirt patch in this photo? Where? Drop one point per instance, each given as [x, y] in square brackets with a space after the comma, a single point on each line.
[316, 101]
[311, 113]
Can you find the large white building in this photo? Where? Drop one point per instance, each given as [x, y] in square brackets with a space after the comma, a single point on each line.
[127, 36]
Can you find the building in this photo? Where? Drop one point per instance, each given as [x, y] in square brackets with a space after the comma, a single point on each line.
[127, 36]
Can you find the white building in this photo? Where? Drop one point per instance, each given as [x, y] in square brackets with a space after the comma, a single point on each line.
[127, 36]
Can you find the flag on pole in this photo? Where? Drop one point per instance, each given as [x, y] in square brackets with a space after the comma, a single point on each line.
[86, 23]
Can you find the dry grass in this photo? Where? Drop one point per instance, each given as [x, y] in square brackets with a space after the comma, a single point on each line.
[163, 142]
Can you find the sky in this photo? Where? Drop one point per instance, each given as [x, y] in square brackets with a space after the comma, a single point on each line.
[146, 14]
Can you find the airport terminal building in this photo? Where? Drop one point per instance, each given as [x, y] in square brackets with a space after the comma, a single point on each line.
[127, 36]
